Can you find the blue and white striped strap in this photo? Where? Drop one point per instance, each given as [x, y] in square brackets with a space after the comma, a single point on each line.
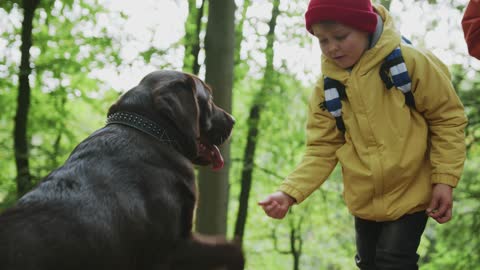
[334, 91]
[332, 101]
[399, 72]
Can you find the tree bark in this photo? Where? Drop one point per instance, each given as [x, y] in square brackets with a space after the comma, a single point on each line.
[219, 47]
[23, 100]
[253, 123]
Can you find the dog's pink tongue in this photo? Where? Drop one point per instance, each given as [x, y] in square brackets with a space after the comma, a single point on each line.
[216, 157]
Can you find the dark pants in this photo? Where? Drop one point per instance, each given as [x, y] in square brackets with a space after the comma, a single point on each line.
[389, 245]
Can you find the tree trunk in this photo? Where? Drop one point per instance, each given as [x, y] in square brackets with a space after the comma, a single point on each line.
[295, 247]
[253, 123]
[295, 242]
[219, 46]
[240, 67]
[239, 31]
[193, 27]
[23, 100]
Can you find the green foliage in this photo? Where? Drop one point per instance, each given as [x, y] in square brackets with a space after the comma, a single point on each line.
[449, 246]
[469, 92]
[67, 45]
[456, 241]
[147, 54]
[190, 38]
[8, 5]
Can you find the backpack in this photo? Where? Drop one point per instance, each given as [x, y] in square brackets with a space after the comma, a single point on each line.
[393, 72]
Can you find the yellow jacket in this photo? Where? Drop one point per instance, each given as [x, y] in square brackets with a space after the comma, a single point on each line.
[390, 154]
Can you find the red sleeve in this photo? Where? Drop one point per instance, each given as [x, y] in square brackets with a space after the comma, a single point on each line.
[471, 27]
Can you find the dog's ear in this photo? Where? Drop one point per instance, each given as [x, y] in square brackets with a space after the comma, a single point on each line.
[177, 101]
[136, 100]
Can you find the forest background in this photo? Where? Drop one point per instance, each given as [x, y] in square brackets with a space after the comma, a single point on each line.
[64, 62]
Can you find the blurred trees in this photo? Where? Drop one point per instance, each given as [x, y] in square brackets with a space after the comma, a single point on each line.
[23, 100]
[192, 42]
[259, 102]
[458, 238]
[65, 45]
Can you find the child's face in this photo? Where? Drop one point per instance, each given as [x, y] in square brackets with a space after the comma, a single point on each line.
[341, 43]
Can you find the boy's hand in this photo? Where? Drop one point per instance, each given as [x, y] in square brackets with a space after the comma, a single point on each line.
[276, 205]
[440, 207]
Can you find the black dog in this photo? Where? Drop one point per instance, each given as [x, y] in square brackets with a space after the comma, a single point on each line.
[125, 197]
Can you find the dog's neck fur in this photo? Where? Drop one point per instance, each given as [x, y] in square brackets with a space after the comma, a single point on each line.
[164, 133]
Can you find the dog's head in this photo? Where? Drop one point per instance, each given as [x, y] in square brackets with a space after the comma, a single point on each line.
[185, 103]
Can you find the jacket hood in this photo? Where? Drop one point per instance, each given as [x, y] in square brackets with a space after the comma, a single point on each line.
[389, 40]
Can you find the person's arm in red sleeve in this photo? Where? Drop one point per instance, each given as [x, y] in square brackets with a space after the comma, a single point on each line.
[471, 27]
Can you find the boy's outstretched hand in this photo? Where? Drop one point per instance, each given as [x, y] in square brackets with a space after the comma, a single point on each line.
[440, 207]
[276, 205]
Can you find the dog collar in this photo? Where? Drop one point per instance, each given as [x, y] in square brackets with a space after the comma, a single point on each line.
[144, 125]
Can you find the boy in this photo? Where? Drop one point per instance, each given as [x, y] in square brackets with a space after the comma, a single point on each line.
[401, 152]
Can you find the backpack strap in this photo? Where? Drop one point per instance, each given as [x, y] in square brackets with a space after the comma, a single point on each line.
[394, 73]
[334, 91]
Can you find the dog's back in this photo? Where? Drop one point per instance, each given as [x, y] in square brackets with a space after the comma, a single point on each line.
[91, 213]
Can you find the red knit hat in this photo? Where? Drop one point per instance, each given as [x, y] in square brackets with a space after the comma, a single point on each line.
[358, 14]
